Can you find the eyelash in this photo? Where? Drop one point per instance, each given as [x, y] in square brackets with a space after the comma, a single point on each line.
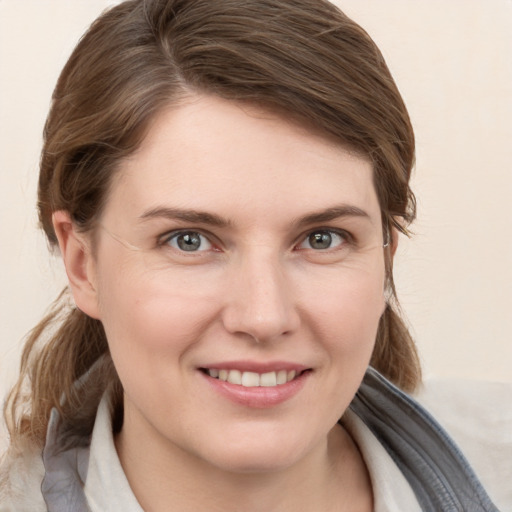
[165, 240]
[346, 238]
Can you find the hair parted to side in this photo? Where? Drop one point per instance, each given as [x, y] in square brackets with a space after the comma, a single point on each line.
[302, 58]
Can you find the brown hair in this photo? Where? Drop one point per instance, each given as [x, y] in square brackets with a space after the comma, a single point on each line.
[302, 58]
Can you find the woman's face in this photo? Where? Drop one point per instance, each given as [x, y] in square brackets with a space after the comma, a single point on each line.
[239, 246]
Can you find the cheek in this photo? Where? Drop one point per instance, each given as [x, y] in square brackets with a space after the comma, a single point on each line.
[149, 314]
[346, 318]
[349, 303]
[151, 332]
[147, 310]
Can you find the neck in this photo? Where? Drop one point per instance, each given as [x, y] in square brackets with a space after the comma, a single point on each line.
[332, 477]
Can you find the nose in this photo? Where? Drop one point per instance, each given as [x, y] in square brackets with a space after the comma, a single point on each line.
[259, 300]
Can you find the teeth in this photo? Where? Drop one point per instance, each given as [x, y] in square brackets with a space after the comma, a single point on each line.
[250, 379]
[253, 379]
[268, 379]
[235, 377]
[282, 377]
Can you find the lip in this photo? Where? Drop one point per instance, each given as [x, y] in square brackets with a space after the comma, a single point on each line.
[256, 366]
[257, 397]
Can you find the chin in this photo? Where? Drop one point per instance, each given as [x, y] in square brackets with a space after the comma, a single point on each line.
[258, 453]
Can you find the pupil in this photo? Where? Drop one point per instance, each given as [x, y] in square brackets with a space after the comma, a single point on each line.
[189, 242]
[320, 240]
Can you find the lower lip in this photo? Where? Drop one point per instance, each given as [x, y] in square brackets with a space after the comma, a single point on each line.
[260, 397]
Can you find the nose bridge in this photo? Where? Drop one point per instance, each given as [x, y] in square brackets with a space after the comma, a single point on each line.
[260, 296]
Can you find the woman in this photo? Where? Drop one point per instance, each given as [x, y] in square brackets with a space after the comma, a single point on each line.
[226, 182]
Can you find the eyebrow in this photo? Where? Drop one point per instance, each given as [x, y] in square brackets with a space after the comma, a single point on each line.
[186, 215]
[201, 217]
[336, 212]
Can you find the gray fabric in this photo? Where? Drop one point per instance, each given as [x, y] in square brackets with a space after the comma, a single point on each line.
[65, 471]
[435, 468]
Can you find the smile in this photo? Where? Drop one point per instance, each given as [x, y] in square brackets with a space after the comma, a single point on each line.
[256, 385]
[253, 379]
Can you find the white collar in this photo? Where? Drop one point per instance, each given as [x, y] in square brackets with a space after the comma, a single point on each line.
[106, 487]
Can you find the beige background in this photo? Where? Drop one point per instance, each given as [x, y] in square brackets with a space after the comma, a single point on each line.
[452, 60]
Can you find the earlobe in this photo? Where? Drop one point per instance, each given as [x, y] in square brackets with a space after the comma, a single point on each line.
[78, 262]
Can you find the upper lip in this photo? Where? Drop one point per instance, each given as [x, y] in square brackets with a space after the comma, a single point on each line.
[256, 366]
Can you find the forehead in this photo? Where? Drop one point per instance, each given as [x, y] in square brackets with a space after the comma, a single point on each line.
[209, 153]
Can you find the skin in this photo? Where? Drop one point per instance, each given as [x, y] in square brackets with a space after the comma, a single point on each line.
[256, 291]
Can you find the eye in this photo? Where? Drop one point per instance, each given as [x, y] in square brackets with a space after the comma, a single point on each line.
[188, 241]
[323, 239]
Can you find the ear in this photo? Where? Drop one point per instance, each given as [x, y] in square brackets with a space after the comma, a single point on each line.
[79, 263]
[393, 243]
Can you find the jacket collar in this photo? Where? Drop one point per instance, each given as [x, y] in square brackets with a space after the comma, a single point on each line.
[440, 476]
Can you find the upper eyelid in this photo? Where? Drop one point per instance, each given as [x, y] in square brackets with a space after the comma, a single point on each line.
[168, 235]
[339, 231]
